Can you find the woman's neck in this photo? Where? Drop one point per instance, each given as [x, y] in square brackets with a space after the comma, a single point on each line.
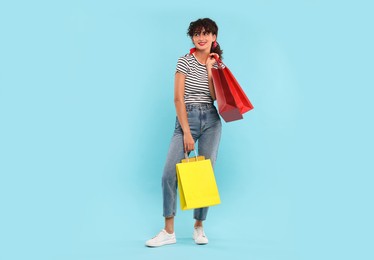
[201, 56]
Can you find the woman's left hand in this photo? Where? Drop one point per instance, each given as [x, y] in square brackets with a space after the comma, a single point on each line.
[211, 60]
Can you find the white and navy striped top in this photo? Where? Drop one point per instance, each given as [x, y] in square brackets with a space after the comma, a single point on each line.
[196, 89]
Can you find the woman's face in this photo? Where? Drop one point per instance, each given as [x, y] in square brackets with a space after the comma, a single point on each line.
[203, 40]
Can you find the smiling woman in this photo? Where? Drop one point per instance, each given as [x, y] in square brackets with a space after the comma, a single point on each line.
[197, 120]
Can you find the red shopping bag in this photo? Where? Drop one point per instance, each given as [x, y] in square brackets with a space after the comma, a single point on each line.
[231, 99]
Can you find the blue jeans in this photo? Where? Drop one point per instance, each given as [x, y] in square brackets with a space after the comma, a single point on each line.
[205, 126]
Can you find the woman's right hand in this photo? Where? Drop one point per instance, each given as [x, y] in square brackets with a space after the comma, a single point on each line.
[189, 143]
[211, 60]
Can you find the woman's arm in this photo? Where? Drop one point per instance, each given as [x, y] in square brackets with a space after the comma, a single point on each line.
[188, 141]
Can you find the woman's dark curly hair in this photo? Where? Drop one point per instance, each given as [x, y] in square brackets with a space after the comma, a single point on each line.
[209, 26]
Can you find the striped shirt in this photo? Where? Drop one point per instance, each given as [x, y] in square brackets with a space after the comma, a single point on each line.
[196, 89]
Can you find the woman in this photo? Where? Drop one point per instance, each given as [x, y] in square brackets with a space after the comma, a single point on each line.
[197, 120]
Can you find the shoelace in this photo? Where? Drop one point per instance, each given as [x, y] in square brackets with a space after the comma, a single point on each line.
[200, 232]
[158, 234]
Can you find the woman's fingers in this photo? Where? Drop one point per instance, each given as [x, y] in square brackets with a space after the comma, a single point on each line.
[213, 54]
[189, 147]
[189, 143]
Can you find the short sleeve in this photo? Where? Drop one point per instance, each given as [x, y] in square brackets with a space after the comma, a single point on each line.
[182, 66]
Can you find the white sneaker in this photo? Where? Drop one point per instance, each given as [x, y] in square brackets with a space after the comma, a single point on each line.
[199, 236]
[162, 238]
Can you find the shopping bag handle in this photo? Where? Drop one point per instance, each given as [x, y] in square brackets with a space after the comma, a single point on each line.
[186, 155]
[218, 60]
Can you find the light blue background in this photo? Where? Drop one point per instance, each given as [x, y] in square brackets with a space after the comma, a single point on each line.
[86, 115]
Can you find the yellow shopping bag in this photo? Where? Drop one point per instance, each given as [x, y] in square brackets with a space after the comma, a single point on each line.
[196, 183]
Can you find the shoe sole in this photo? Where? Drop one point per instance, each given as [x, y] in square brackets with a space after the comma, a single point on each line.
[201, 243]
[163, 244]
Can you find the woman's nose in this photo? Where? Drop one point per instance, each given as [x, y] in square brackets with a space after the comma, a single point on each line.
[201, 37]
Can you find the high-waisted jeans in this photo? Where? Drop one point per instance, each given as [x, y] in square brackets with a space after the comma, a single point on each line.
[205, 126]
